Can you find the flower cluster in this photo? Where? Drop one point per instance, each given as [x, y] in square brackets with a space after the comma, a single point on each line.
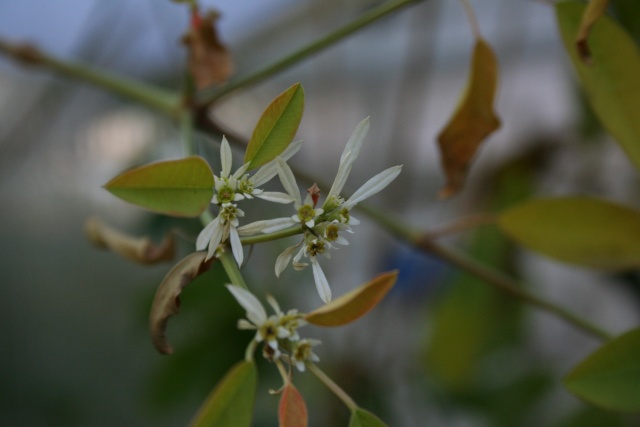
[322, 227]
[278, 332]
[232, 188]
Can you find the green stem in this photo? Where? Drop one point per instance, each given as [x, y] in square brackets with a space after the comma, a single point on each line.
[231, 268]
[508, 285]
[209, 96]
[152, 96]
[186, 126]
[335, 388]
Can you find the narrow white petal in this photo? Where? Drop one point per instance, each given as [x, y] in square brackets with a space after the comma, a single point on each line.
[356, 139]
[341, 177]
[236, 245]
[241, 171]
[291, 150]
[274, 304]
[277, 224]
[205, 235]
[288, 180]
[373, 186]
[255, 311]
[352, 221]
[322, 285]
[275, 196]
[216, 238]
[251, 228]
[225, 158]
[244, 324]
[284, 258]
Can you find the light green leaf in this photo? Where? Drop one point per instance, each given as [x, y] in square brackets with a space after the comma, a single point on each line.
[579, 230]
[363, 418]
[276, 128]
[610, 377]
[292, 411]
[230, 404]
[176, 187]
[354, 304]
[611, 81]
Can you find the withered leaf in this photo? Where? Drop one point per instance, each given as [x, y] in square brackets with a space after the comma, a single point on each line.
[138, 249]
[166, 303]
[592, 13]
[209, 61]
[292, 410]
[473, 120]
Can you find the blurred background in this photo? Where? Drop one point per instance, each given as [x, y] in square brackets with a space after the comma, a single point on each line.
[442, 350]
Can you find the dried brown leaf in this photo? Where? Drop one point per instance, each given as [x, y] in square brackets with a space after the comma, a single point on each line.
[138, 249]
[210, 62]
[473, 120]
[166, 303]
[592, 13]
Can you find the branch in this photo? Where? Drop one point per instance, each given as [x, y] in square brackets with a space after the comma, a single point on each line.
[152, 96]
[208, 96]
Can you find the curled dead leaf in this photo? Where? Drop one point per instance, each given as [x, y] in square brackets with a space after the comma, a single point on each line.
[355, 304]
[138, 249]
[166, 302]
[592, 13]
[473, 120]
[210, 62]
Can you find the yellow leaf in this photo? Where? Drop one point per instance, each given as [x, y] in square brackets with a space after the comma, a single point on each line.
[355, 304]
[473, 120]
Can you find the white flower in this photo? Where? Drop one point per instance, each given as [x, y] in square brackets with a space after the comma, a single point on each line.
[223, 227]
[279, 332]
[230, 189]
[267, 328]
[303, 352]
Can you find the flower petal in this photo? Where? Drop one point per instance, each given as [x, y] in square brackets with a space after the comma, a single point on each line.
[276, 197]
[251, 228]
[241, 171]
[205, 235]
[348, 157]
[268, 171]
[236, 245]
[288, 180]
[255, 311]
[277, 224]
[322, 285]
[373, 186]
[284, 258]
[216, 238]
[225, 158]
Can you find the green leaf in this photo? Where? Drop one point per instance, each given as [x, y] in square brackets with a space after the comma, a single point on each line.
[579, 230]
[176, 187]
[363, 418]
[354, 304]
[610, 377]
[611, 81]
[276, 128]
[230, 404]
[292, 411]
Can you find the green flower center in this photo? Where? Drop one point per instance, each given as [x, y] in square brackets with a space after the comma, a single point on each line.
[302, 351]
[306, 213]
[245, 186]
[331, 233]
[226, 194]
[229, 213]
[344, 216]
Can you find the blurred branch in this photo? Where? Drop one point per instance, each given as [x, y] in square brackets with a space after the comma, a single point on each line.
[144, 93]
[208, 96]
